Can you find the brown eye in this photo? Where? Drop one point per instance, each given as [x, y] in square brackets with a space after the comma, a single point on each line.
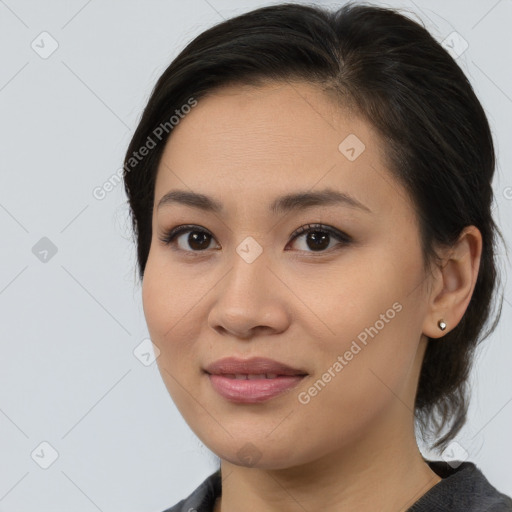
[196, 240]
[318, 238]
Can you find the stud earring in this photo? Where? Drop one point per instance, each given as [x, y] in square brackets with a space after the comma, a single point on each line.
[442, 325]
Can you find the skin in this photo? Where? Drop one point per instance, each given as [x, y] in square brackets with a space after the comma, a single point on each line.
[353, 445]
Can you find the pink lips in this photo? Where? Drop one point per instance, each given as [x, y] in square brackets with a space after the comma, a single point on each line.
[252, 380]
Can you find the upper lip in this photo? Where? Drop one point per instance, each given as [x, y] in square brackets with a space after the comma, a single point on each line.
[252, 366]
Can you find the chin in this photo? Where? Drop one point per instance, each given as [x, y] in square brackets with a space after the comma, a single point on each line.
[260, 453]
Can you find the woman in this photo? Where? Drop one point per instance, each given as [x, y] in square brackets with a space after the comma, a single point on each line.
[317, 252]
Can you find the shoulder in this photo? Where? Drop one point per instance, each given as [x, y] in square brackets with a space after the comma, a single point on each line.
[202, 498]
[462, 488]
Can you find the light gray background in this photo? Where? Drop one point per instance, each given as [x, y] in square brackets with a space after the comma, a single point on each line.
[69, 325]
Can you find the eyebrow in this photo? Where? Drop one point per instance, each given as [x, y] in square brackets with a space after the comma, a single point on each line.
[286, 203]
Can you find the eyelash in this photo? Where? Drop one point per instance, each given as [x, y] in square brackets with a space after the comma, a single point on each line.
[170, 236]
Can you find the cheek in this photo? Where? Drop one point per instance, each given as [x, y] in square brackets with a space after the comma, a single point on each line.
[167, 308]
[360, 374]
[166, 303]
[369, 320]
[166, 296]
[155, 302]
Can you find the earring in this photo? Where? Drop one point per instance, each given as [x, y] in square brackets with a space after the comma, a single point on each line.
[442, 325]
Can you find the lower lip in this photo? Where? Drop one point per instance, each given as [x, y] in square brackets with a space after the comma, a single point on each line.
[254, 390]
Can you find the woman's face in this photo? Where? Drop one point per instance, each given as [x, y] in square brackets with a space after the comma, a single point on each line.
[347, 312]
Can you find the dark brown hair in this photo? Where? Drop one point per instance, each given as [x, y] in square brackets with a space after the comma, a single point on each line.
[399, 79]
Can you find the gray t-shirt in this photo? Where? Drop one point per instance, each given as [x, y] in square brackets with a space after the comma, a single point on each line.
[463, 489]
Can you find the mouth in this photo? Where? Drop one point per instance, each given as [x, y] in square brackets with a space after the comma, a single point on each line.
[252, 376]
[252, 380]
[253, 368]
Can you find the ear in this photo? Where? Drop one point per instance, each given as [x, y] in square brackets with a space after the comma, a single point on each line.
[453, 283]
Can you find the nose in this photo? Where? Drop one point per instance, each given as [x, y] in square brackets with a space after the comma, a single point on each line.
[250, 300]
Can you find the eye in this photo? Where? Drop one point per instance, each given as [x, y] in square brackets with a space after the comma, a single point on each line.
[198, 239]
[318, 238]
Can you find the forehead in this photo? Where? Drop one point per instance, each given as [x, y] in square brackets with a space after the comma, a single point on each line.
[293, 118]
[245, 141]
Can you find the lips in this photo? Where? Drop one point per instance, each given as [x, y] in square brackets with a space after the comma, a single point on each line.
[245, 376]
[252, 381]
[253, 368]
